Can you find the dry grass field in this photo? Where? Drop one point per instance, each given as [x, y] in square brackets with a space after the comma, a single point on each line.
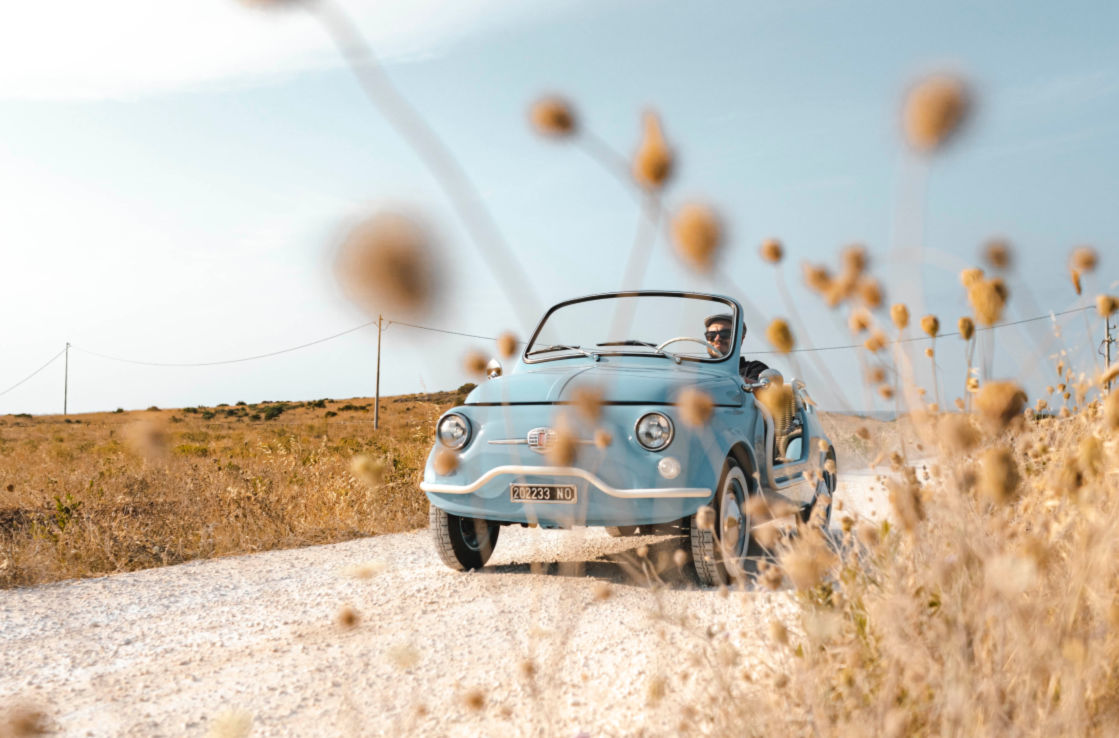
[104, 492]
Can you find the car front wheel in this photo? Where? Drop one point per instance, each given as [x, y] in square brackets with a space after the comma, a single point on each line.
[719, 546]
[462, 543]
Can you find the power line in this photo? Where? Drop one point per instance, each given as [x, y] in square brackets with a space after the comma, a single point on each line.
[443, 330]
[32, 374]
[463, 334]
[911, 339]
[227, 361]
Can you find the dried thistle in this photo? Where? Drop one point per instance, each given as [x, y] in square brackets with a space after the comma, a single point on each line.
[905, 497]
[1111, 411]
[698, 235]
[1090, 456]
[853, 259]
[997, 253]
[231, 724]
[870, 292]
[474, 699]
[886, 391]
[506, 345]
[1074, 275]
[930, 324]
[998, 403]
[385, 264]
[367, 469]
[588, 403]
[696, 407]
[562, 448]
[934, 109]
[445, 462]
[969, 277]
[807, 562]
[602, 591]
[867, 533]
[772, 250]
[602, 438]
[876, 342]
[817, 277]
[966, 327]
[776, 397]
[1084, 259]
[474, 363]
[147, 439]
[899, 313]
[875, 375]
[998, 477]
[1106, 305]
[652, 164]
[859, 320]
[23, 720]
[348, 617]
[552, 116]
[705, 518]
[988, 299]
[957, 433]
[780, 336]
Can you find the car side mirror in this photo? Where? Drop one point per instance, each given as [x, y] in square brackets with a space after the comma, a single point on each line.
[493, 369]
[771, 376]
[767, 377]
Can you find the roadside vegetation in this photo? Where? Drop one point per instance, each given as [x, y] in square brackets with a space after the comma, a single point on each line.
[93, 494]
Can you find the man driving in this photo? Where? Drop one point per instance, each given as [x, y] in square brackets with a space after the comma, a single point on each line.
[718, 333]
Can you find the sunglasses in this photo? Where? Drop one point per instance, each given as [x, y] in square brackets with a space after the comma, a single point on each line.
[723, 334]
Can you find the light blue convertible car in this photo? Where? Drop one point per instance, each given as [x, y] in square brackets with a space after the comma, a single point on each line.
[624, 410]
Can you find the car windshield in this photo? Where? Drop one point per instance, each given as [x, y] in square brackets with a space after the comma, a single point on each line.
[656, 324]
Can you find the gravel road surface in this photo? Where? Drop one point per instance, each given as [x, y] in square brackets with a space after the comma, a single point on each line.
[181, 650]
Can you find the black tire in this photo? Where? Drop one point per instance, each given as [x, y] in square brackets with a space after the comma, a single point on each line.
[462, 543]
[719, 550]
[621, 531]
[825, 490]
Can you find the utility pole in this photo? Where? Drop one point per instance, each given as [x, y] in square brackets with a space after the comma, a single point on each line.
[377, 398]
[66, 380]
[1107, 341]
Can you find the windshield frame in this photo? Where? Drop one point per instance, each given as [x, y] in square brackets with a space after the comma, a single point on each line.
[723, 301]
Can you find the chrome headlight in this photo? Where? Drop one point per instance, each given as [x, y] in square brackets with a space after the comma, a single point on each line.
[654, 431]
[453, 431]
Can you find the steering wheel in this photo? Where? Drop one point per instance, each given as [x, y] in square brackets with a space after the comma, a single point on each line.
[711, 350]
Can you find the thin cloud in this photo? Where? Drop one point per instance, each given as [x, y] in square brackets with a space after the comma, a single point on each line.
[75, 49]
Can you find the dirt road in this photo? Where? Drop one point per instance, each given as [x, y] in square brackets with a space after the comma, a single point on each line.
[180, 650]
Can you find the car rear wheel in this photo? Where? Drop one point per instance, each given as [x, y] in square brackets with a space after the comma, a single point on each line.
[462, 543]
[719, 546]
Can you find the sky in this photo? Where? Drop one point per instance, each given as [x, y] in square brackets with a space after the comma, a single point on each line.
[176, 177]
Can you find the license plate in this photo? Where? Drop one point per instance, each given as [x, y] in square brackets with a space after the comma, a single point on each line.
[564, 493]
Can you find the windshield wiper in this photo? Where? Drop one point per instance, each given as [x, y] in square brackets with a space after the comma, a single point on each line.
[627, 342]
[549, 349]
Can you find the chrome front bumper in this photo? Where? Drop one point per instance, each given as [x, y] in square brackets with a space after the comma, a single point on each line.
[563, 471]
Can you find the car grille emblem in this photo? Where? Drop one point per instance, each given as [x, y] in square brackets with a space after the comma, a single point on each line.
[541, 439]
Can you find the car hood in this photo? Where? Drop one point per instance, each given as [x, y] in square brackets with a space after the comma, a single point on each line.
[651, 384]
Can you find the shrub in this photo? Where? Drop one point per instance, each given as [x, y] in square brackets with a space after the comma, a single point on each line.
[273, 411]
